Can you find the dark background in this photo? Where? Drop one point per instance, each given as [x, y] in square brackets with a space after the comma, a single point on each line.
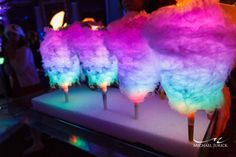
[22, 12]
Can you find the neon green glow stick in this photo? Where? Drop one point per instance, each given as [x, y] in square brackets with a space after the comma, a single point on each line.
[1, 60]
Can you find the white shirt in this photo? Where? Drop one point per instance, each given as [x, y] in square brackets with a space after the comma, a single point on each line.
[25, 68]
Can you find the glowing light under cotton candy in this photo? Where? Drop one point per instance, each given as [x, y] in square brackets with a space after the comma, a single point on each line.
[60, 64]
[99, 65]
[138, 67]
[197, 46]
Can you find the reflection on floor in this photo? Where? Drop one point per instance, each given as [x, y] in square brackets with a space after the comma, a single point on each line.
[20, 141]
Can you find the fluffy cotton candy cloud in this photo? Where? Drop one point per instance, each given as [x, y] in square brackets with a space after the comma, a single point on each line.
[197, 48]
[138, 67]
[59, 63]
[99, 65]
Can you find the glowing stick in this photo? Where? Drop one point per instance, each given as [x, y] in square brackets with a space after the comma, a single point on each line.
[136, 115]
[191, 118]
[104, 95]
[1, 60]
[66, 89]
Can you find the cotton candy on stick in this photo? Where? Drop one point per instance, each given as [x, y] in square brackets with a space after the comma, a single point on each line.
[138, 70]
[60, 64]
[100, 66]
[98, 63]
[196, 45]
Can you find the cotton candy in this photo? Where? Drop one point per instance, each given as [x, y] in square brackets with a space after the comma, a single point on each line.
[99, 65]
[196, 44]
[138, 67]
[60, 64]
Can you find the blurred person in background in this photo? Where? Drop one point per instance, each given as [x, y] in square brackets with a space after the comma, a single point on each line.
[34, 44]
[20, 66]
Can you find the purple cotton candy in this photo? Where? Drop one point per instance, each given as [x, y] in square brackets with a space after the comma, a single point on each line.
[98, 63]
[59, 63]
[138, 67]
[197, 47]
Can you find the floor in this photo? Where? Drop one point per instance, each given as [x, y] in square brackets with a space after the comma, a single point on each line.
[15, 136]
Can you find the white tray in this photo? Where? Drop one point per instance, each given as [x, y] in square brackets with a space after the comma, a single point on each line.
[158, 125]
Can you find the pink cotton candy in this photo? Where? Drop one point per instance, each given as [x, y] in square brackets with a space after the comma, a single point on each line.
[196, 44]
[138, 67]
[98, 63]
[60, 64]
